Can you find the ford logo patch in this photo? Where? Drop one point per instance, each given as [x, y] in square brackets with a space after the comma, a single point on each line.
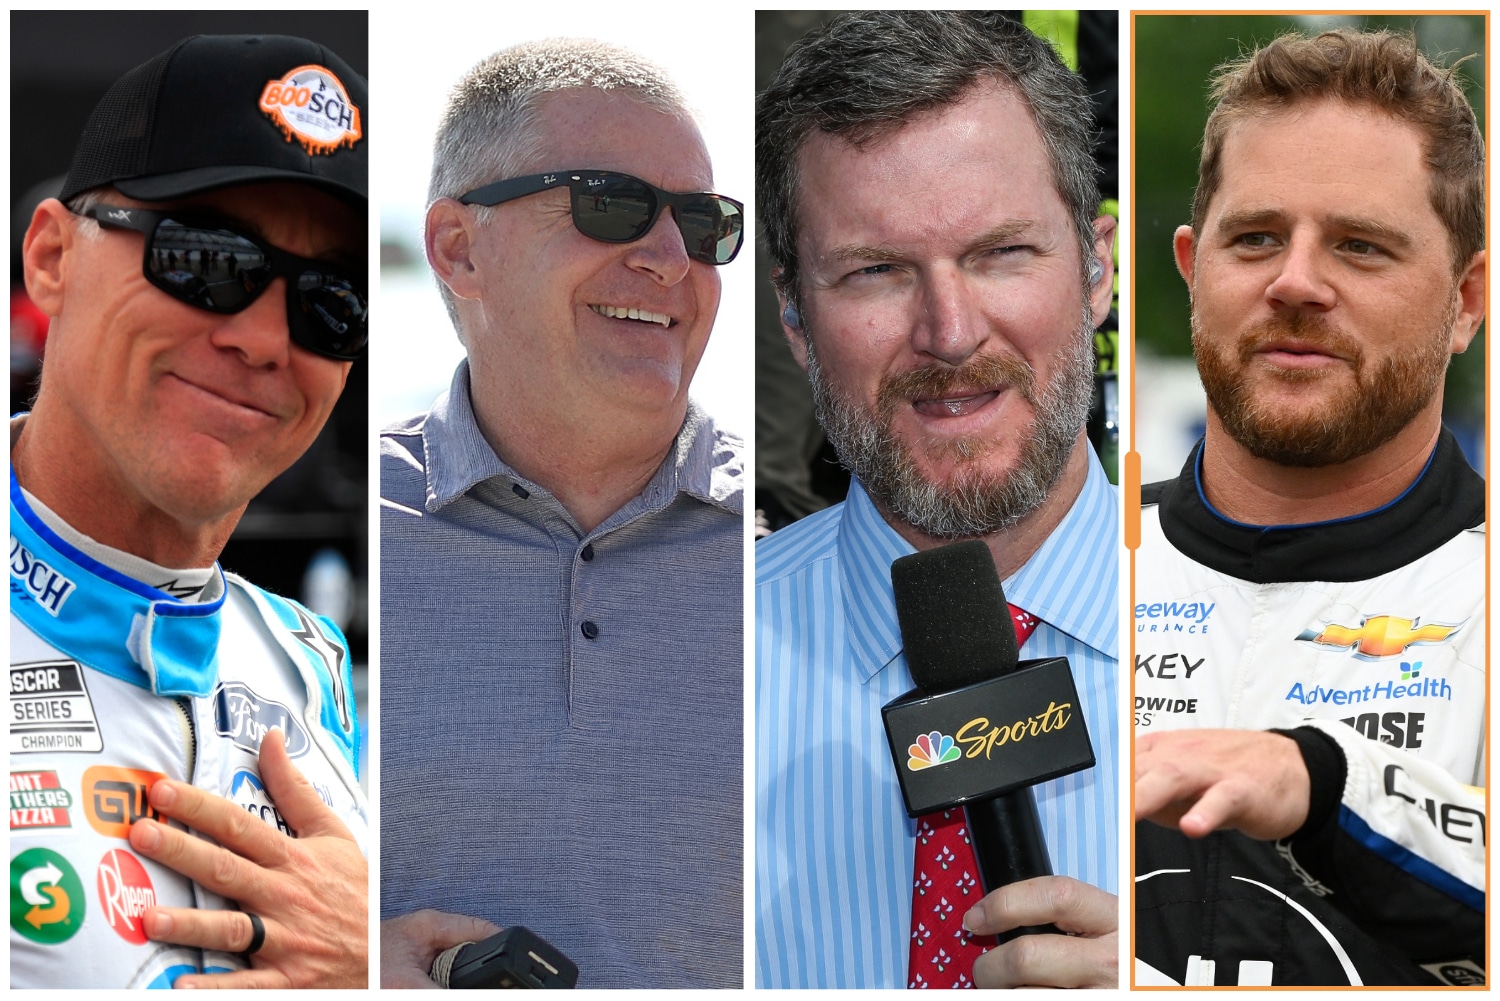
[244, 718]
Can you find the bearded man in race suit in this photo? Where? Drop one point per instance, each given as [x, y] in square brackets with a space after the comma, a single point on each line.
[1311, 587]
[204, 272]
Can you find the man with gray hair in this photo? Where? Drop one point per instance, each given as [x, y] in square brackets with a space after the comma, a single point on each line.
[563, 545]
[929, 193]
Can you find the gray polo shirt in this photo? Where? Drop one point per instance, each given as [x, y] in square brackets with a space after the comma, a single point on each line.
[561, 712]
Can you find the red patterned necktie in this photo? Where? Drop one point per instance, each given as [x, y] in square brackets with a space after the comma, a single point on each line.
[945, 885]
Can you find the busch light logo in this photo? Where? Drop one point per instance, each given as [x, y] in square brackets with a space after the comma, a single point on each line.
[246, 790]
[47, 587]
[244, 718]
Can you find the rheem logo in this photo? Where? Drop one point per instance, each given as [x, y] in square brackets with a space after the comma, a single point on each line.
[125, 893]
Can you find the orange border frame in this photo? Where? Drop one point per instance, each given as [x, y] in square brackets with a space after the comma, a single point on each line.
[1131, 467]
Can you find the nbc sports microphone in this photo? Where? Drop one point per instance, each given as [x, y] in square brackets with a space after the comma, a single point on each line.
[981, 728]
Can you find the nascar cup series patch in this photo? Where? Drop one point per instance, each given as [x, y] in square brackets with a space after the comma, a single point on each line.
[312, 107]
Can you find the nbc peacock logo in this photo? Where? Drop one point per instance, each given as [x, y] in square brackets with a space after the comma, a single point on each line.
[930, 750]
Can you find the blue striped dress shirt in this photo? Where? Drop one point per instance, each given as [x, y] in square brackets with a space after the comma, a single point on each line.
[833, 844]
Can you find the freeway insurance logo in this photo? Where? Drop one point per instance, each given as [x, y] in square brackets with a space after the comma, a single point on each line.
[46, 896]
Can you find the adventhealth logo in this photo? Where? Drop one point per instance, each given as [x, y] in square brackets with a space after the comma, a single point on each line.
[931, 749]
[1379, 636]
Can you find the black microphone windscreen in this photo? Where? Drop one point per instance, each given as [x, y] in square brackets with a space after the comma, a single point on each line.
[955, 625]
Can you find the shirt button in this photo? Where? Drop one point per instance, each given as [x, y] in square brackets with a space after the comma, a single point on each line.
[588, 552]
[589, 630]
[520, 491]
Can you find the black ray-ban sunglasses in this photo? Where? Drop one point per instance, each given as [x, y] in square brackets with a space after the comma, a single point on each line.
[210, 264]
[618, 208]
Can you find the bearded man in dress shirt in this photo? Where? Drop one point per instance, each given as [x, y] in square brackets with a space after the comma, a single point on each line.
[931, 204]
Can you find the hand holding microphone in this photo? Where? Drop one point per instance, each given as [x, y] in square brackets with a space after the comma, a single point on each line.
[1005, 725]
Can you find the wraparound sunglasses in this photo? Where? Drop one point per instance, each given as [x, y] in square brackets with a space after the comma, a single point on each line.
[617, 208]
[212, 265]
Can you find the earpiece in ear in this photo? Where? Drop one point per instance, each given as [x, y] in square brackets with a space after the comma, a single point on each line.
[791, 317]
[1096, 271]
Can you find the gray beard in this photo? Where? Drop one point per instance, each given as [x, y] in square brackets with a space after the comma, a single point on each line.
[975, 502]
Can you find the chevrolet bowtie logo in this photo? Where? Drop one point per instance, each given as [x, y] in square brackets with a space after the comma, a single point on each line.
[1379, 635]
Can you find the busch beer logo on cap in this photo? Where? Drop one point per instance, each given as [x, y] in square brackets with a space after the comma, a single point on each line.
[312, 107]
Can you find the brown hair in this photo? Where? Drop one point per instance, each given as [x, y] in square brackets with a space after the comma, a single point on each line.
[866, 75]
[1378, 69]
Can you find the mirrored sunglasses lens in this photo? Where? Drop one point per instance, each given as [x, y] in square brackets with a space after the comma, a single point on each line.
[614, 209]
[213, 269]
[332, 316]
[711, 228]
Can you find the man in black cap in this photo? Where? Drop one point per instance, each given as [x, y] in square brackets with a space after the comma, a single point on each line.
[204, 272]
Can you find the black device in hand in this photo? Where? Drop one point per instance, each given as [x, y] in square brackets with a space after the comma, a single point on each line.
[517, 957]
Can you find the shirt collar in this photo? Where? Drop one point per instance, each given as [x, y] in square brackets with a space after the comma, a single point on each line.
[1446, 498]
[103, 618]
[868, 546]
[704, 462]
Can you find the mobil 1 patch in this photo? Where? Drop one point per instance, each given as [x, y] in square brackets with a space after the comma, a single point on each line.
[50, 709]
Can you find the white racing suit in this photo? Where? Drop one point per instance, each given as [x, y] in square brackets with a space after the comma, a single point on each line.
[1363, 639]
[114, 685]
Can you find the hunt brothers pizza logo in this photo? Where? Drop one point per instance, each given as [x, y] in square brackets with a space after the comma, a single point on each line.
[38, 801]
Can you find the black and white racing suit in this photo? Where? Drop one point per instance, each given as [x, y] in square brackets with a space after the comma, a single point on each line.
[115, 685]
[1363, 638]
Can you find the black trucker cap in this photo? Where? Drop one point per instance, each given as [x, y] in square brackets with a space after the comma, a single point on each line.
[216, 110]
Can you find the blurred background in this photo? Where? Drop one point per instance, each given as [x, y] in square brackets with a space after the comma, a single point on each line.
[417, 62]
[306, 535]
[1173, 57]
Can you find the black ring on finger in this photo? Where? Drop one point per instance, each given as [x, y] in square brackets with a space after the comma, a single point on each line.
[257, 934]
